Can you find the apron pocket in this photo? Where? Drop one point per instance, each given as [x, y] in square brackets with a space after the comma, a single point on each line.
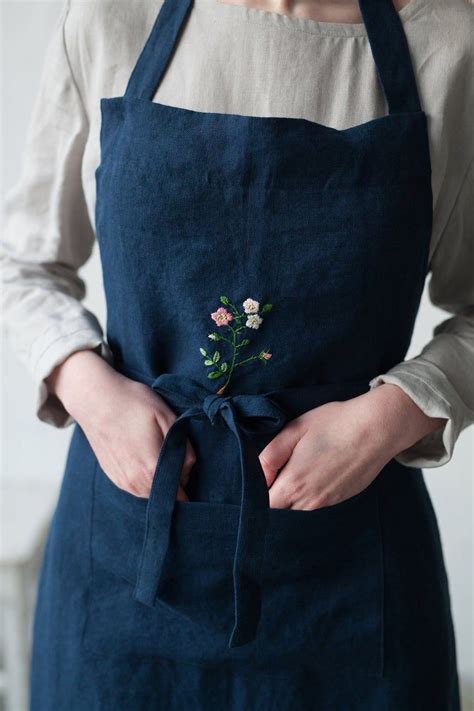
[323, 594]
[191, 618]
[321, 598]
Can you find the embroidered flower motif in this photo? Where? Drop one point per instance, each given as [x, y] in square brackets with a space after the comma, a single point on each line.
[223, 317]
[251, 306]
[254, 321]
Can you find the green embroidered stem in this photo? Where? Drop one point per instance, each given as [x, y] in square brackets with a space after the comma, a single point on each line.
[223, 317]
[232, 364]
[247, 360]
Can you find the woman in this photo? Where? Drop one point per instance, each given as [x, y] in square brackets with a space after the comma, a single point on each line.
[243, 521]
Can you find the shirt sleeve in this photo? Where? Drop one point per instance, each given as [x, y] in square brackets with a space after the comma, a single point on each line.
[47, 235]
[439, 379]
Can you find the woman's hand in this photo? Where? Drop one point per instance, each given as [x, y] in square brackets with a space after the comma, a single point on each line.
[335, 451]
[124, 421]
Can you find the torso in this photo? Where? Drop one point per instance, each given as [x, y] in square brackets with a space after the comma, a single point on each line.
[221, 64]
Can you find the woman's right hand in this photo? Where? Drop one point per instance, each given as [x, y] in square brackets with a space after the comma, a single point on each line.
[124, 421]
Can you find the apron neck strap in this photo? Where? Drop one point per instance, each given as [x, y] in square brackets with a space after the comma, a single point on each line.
[158, 49]
[391, 55]
[385, 33]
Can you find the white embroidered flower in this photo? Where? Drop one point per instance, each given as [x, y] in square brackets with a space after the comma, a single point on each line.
[213, 336]
[254, 321]
[251, 306]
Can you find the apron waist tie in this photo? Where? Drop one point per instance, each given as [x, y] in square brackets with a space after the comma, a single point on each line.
[244, 415]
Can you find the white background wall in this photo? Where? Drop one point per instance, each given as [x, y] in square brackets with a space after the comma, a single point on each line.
[33, 450]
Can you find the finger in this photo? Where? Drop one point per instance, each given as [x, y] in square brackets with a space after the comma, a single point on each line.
[279, 494]
[302, 505]
[181, 494]
[278, 451]
[188, 463]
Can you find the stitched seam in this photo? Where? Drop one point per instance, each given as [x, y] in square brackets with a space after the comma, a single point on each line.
[69, 64]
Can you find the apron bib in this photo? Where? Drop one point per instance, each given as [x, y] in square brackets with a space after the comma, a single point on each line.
[254, 268]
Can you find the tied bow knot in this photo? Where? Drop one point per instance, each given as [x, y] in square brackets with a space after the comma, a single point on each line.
[213, 405]
[255, 414]
[244, 415]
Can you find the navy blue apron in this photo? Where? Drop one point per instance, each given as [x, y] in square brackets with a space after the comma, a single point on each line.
[254, 268]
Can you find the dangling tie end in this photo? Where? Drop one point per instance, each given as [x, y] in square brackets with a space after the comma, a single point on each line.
[246, 619]
[146, 594]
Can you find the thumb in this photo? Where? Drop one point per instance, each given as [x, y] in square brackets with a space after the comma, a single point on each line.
[278, 451]
[189, 460]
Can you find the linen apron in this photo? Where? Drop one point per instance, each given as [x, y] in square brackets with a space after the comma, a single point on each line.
[254, 268]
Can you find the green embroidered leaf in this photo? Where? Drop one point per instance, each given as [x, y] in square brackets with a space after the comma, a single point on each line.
[208, 362]
[216, 357]
[202, 352]
[245, 342]
[266, 308]
[223, 367]
[214, 374]
[224, 300]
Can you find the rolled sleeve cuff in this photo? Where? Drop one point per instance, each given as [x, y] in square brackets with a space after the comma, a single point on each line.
[49, 408]
[432, 392]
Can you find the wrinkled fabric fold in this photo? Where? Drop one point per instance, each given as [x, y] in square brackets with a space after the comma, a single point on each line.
[244, 415]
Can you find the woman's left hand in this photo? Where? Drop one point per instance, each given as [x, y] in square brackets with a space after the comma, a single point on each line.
[334, 451]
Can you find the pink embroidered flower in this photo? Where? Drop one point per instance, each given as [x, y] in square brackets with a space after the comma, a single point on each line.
[265, 355]
[222, 317]
[251, 306]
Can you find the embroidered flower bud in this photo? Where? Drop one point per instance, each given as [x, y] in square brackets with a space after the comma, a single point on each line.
[222, 317]
[251, 306]
[265, 355]
[214, 336]
[254, 321]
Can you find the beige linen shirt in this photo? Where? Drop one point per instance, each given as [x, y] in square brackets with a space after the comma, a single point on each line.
[236, 59]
